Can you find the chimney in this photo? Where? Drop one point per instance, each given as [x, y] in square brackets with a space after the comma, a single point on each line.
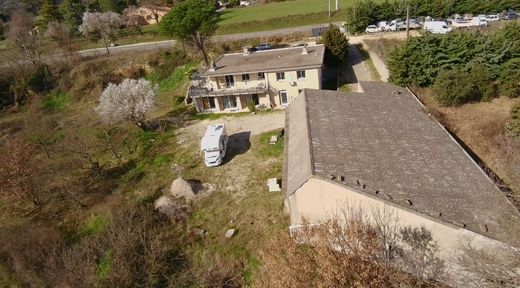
[304, 50]
[213, 66]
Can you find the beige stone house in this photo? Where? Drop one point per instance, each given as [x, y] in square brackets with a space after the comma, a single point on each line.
[379, 149]
[269, 79]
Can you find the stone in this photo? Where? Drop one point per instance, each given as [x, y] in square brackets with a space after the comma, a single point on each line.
[199, 232]
[273, 140]
[180, 188]
[230, 233]
[272, 184]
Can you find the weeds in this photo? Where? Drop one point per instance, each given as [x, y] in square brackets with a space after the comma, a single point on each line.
[56, 102]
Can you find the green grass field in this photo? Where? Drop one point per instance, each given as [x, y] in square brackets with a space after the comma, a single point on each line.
[277, 10]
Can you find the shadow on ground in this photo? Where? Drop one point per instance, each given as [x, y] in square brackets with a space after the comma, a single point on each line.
[238, 143]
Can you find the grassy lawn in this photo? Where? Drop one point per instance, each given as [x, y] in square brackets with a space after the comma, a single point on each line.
[278, 10]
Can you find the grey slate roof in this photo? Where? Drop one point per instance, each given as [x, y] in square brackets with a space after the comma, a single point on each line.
[284, 59]
[384, 141]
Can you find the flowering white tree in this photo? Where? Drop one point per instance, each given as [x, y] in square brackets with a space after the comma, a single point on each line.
[128, 101]
[102, 24]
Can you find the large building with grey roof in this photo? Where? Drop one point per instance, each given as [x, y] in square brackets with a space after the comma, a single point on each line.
[266, 79]
[379, 148]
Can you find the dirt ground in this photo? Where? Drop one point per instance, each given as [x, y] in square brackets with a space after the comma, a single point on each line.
[481, 127]
[255, 124]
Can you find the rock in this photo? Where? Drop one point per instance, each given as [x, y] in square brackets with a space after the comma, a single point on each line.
[199, 232]
[181, 188]
[167, 206]
[230, 233]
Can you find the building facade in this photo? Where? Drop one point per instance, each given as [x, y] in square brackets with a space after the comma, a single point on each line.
[266, 79]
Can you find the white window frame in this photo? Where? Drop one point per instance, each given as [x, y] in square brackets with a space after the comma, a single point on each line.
[282, 74]
[260, 75]
[246, 76]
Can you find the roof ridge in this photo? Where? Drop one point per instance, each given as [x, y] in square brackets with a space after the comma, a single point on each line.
[307, 121]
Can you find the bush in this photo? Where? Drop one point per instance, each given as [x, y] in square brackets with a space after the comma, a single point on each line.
[513, 126]
[251, 106]
[56, 101]
[41, 79]
[510, 79]
[482, 82]
[454, 88]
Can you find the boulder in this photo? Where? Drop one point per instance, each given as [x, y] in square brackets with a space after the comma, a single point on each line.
[182, 188]
[230, 233]
[167, 206]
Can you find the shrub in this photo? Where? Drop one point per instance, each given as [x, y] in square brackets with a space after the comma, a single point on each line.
[56, 101]
[40, 80]
[513, 126]
[482, 82]
[454, 88]
[359, 15]
[251, 106]
[510, 79]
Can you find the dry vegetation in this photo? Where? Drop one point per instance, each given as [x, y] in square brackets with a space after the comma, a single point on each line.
[481, 127]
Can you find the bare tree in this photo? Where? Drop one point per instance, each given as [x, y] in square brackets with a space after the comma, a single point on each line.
[489, 268]
[25, 39]
[128, 101]
[105, 25]
[86, 149]
[61, 33]
[132, 20]
[351, 249]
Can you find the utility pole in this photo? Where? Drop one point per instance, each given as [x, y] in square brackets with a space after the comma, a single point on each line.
[337, 5]
[407, 20]
[329, 9]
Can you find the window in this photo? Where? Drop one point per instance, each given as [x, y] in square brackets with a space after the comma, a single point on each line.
[283, 97]
[230, 80]
[254, 98]
[300, 74]
[229, 102]
[245, 77]
[261, 76]
[209, 103]
[280, 75]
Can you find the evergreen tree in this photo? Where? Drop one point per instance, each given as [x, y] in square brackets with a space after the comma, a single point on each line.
[48, 13]
[336, 45]
[71, 12]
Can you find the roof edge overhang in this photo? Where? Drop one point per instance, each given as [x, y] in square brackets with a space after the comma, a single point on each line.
[283, 69]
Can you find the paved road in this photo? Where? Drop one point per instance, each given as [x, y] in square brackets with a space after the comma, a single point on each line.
[164, 45]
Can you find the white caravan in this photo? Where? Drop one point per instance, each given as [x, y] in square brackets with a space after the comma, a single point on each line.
[436, 27]
[214, 144]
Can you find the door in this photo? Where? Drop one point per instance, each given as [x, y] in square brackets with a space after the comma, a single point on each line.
[283, 98]
[230, 80]
[255, 99]
[209, 103]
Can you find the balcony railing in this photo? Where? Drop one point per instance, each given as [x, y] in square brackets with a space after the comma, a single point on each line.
[202, 89]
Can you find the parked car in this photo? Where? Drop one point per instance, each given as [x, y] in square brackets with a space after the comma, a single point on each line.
[214, 145]
[263, 46]
[383, 25]
[244, 3]
[492, 18]
[437, 27]
[510, 15]
[372, 29]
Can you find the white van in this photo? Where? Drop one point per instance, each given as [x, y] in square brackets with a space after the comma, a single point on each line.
[214, 144]
[437, 27]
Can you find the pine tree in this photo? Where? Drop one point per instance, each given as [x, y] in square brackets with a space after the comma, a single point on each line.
[48, 13]
[71, 12]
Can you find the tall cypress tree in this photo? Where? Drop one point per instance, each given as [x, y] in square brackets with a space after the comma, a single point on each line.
[72, 12]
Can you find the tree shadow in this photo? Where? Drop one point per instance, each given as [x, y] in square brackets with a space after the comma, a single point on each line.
[238, 143]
